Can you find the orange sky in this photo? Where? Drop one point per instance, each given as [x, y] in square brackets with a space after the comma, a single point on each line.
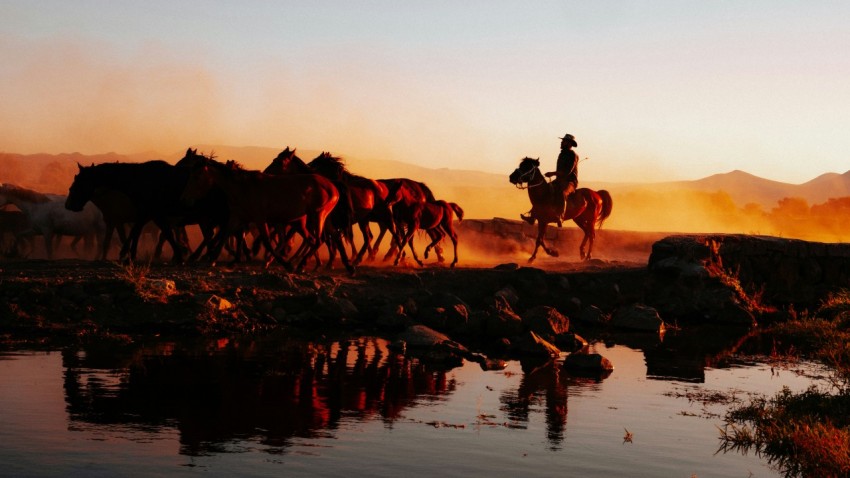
[653, 91]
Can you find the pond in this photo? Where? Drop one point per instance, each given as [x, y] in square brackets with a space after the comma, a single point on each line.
[280, 406]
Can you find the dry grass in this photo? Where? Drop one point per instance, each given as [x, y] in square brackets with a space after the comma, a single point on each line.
[804, 434]
[138, 275]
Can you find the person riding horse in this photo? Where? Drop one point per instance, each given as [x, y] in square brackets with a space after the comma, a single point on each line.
[565, 183]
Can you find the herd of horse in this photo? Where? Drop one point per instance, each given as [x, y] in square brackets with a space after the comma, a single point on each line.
[286, 213]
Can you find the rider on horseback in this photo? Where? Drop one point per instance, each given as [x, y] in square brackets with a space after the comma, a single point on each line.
[565, 182]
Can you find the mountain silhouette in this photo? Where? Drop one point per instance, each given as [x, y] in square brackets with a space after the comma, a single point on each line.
[54, 172]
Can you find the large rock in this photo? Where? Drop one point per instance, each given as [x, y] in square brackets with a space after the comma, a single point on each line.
[588, 365]
[638, 317]
[501, 321]
[758, 274]
[546, 321]
[532, 345]
[593, 316]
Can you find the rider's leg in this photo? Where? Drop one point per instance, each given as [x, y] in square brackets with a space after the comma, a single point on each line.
[569, 189]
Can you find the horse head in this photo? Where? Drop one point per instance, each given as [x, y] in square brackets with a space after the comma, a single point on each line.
[525, 172]
[201, 180]
[82, 188]
[287, 163]
[194, 158]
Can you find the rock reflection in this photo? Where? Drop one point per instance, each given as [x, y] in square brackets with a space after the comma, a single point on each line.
[684, 355]
[268, 391]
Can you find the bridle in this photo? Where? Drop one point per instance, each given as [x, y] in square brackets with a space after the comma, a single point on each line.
[526, 178]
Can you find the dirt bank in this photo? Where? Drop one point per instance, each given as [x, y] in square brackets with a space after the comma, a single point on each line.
[74, 299]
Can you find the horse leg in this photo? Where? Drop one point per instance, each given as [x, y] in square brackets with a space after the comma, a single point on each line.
[436, 236]
[76, 240]
[408, 235]
[367, 242]
[409, 242]
[373, 252]
[541, 233]
[264, 236]
[589, 236]
[128, 249]
[167, 231]
[343, 255]
[453, 237]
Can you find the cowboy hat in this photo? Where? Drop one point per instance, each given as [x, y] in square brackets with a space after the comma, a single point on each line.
[571, 138]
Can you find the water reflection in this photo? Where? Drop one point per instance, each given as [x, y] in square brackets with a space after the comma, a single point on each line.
[546, 387]
[269, 391]
[274, 390]
[685, 355]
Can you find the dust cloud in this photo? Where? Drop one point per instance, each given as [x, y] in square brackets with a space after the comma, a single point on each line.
[80, 96]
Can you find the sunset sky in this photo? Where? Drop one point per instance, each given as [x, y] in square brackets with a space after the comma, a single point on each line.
[653, 90]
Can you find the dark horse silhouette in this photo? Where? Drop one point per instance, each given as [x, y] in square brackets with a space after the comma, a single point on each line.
[304, 200]
[131, 192]
[597, 208]
[361, 199]
[436, 218]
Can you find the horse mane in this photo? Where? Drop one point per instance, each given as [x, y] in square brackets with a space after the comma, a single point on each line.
[23, 193]
[234, 165]
[326, 162]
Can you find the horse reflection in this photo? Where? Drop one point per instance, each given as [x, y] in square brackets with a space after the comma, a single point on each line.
[546, 386]
[264, 390]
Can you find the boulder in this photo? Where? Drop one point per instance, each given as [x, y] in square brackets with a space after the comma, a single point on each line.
[531, 345]
[509, 294]
[638, 317]
[428, 344]
[545, 321]
[588, 365]
[593, 316]
[570, 342]
[501, 321]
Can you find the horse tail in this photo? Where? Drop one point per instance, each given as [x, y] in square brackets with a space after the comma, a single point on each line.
[607, 205]
[457, 209]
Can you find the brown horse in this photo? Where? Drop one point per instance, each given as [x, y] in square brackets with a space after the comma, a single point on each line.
[437, 219]
[304, 200]
[597, 207]
[364, 201]
[405, 198]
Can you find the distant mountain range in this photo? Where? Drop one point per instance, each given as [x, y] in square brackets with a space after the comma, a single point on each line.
[745, 188]
[54, 173]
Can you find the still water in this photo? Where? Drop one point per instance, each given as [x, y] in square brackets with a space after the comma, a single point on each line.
[285, 407]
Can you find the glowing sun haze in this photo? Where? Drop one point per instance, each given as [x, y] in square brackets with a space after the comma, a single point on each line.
[653, 90]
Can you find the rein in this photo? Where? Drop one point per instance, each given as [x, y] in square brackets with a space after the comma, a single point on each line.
[528, 181]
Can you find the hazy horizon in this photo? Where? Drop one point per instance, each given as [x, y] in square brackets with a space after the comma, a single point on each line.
[653, 91]
[252, 162]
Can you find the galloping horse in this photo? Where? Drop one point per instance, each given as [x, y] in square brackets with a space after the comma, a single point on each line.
[362, 200]
[47, 216]
[134, 193]
[405, 198]
[544, 211]
[305, 200]
[368, 197]
[436, 218]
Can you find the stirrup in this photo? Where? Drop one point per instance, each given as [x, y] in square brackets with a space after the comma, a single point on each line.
[527, 218]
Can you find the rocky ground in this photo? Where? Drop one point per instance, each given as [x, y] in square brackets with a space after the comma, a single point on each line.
[503, 309]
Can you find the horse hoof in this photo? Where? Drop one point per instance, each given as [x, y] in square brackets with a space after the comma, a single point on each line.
[554, 254]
